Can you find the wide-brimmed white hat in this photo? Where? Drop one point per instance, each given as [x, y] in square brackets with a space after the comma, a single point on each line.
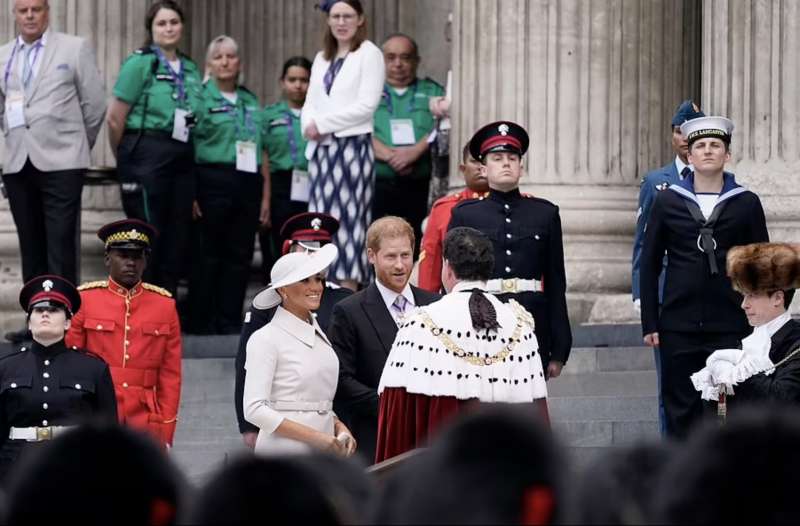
[292, 268]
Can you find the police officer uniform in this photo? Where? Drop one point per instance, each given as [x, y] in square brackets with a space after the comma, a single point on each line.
[429, 271]
[228, 152]
[45, 390]
[528, 247]
[155, 168]
[700, 311]
[137, 332]
[403, 119]
[312, 230]
[288, 169]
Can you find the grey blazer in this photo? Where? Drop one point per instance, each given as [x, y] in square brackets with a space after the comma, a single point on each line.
[64, 106]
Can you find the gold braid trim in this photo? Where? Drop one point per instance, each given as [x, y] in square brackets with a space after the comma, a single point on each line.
[473, 358]
[94, 285]
[156, 289]
[128, 235]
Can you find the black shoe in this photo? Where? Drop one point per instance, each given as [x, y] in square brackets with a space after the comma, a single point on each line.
[19, 336]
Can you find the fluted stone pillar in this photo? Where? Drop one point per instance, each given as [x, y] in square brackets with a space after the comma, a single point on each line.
[595, 82]
[751, 74]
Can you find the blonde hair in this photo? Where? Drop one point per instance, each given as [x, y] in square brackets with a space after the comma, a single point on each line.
[213, 46]
[386, 227]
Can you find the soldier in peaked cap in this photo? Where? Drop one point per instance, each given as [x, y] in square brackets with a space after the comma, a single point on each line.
[47, 388]
[302, 232]
[695, 222]
[526, 236]
[134, 327]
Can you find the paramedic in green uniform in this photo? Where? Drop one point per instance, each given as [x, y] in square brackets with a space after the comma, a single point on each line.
[403, 124]
[149, 127]
[288, 166]
[232, 192]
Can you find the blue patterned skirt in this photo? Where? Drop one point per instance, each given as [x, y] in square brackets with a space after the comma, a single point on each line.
[342, 176]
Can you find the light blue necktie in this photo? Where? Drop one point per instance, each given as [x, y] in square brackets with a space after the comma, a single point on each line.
[27, 67]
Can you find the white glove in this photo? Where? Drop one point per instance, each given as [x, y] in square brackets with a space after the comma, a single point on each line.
[637, 306]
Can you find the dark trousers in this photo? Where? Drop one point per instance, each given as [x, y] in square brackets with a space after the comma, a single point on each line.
[230, 202]
[156, 176]
[46, 207]
[281, 209]
[405, 197]
[683, 354]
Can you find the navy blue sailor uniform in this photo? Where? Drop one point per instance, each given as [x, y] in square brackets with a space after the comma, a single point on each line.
[526, 235]
[700, 311]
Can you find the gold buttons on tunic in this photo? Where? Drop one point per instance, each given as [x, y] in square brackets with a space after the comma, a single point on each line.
[99, 327]
[125, 384]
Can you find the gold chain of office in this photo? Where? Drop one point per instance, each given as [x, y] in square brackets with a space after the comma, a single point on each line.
[523, 318]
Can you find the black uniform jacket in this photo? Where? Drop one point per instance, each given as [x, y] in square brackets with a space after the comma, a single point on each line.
[783, 385]
[526, 235]
[694, 300]
[255, 319]
[51, 386]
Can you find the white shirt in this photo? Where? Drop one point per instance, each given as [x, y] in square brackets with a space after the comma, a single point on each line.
[230, 96]
[707, 203]
[389, 297]
[35, 57]
[288, 361]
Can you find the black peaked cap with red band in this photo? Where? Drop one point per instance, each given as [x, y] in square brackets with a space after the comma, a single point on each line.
[500, 136]
[50, 291]
[308, 226]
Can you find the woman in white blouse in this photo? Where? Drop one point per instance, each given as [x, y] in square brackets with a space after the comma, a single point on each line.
[292, 370]
[344, 91]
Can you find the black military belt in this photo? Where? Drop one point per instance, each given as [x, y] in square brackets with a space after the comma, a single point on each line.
[149, 133]
[37, 434]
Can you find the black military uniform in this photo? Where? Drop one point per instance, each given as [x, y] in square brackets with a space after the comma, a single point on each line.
[310, 230]
[46, 389]
[528, 248]
[700, 311]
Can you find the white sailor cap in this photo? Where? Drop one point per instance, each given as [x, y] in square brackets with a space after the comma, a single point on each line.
[719, 127]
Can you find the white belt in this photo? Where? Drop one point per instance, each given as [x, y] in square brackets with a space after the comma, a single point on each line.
[513, 285]
[299, 405]
[37, 434]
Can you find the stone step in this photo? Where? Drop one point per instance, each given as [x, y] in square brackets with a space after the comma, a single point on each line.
[584, 360]
[603, 409]
[617, 383]
[604, 434]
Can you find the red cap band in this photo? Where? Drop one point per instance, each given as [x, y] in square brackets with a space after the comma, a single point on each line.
[50, 295]
[497, 140]
[311, 234]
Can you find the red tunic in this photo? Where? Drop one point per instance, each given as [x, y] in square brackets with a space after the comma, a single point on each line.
[407, 421]
[138, 334]
[430, 256]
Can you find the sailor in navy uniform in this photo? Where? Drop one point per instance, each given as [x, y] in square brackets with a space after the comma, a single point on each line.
[696, 221]
[526, 236]
[46, 388]
[301, 232]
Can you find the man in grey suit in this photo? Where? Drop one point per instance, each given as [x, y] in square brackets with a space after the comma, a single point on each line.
[53, 103]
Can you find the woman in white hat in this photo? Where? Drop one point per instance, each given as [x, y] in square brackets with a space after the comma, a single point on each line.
[292, 370]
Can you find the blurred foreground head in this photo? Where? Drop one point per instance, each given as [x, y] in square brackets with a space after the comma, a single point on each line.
[498, 465]
[95, 474]
[304, 489]
[744, 471]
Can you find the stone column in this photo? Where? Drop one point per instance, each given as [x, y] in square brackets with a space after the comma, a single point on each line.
[595, 83]
[751, 73]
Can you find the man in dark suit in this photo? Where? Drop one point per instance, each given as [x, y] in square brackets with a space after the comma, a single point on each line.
[364, 325]
[526, 236]
[696, 222]
[301, 232]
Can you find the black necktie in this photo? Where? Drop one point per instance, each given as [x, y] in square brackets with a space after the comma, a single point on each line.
[686, 172]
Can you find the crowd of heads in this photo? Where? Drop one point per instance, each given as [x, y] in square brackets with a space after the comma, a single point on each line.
[496, 465]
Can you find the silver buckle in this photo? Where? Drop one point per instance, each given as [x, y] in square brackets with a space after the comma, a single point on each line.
[44, 433]
[509, 285]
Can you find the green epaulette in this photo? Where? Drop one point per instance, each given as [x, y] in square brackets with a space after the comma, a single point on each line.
[157, 289]
[103, 283]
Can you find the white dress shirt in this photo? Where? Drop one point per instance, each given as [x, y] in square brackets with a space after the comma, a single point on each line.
[289, 361]
[35, 56]
[389, 297]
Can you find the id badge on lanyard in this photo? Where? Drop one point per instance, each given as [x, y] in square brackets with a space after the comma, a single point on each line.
[246, 154]
[15, 102]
